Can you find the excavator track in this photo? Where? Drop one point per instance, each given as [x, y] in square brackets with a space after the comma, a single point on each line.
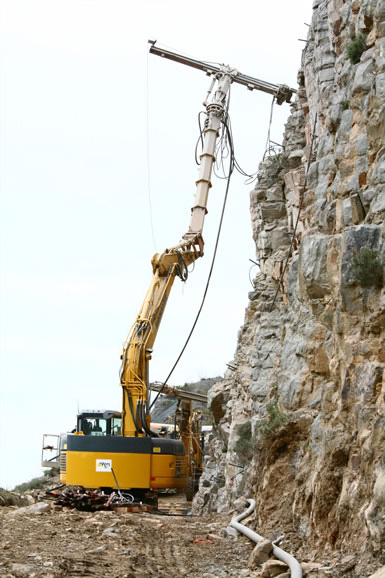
[168, 504]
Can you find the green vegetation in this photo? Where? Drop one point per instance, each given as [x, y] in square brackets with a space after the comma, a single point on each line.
[11, 499]
[246, 443]
[35, 483]
[368, 269]
[345, 105]
[356, 48]
[276, 161]
[273, 420]
[327, 319]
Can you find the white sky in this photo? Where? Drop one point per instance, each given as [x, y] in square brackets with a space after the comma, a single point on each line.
[76, 240]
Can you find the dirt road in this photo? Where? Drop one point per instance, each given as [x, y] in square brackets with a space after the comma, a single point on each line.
[69, 543]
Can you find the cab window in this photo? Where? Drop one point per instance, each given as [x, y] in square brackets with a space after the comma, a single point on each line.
[94, 426]
[116, 426]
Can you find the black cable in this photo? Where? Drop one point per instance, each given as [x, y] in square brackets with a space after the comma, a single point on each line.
[231, 169]
[249, 177]
[221, 148]
[297, 220]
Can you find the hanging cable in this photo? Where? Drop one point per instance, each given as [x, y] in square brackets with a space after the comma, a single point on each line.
[231, 169]
[250, 178]
[181, 269]
[148, 153]
[299, 212]
[254, 264]
[200, 137]
[267, 146]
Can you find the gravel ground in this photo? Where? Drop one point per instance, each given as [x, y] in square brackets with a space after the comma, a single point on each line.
[55, 544]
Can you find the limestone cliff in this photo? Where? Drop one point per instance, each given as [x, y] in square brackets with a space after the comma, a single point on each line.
[299, 421]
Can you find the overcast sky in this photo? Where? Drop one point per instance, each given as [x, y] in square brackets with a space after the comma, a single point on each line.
[93, 128]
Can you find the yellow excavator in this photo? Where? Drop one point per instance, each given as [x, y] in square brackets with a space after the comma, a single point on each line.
[97, 455]
[112, 450]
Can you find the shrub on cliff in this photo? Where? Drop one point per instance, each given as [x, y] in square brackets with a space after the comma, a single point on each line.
[274, 419]
[246, 443]
[367, 268]
[356, 48]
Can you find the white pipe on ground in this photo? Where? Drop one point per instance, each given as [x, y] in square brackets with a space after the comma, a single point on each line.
[294, 565]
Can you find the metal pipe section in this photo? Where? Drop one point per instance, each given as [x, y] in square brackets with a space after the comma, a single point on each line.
[294, 565]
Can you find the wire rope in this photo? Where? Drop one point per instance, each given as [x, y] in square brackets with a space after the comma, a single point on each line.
[267, 146]
[148, 153]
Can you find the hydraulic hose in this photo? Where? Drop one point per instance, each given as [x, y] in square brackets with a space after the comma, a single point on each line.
[131, 405]
[142, 414]
[294, 565]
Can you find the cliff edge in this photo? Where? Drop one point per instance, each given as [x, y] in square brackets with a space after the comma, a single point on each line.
[299, 422]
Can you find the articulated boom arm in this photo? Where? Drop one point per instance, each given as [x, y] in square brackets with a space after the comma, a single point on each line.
[166, 266]
[139, 343]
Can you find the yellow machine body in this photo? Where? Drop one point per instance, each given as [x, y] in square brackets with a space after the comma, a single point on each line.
[131, 470]
[124, 463]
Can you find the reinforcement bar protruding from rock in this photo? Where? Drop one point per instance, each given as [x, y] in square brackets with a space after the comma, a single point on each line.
[294, 565]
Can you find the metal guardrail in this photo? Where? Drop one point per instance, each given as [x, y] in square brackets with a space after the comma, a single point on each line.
[50, 446]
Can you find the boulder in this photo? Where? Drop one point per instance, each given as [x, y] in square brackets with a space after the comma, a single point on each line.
[273, 568]
[38, 508]
[230, 531]
[22, 570]
[260, 554]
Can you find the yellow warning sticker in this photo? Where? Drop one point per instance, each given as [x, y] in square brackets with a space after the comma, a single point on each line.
[156, 450]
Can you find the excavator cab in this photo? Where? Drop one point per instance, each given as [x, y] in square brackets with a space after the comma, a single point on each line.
[99, 423]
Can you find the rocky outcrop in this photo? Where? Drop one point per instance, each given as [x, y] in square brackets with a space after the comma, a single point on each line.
[299, 421]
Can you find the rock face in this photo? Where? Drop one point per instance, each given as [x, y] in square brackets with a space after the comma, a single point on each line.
[299, 422]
